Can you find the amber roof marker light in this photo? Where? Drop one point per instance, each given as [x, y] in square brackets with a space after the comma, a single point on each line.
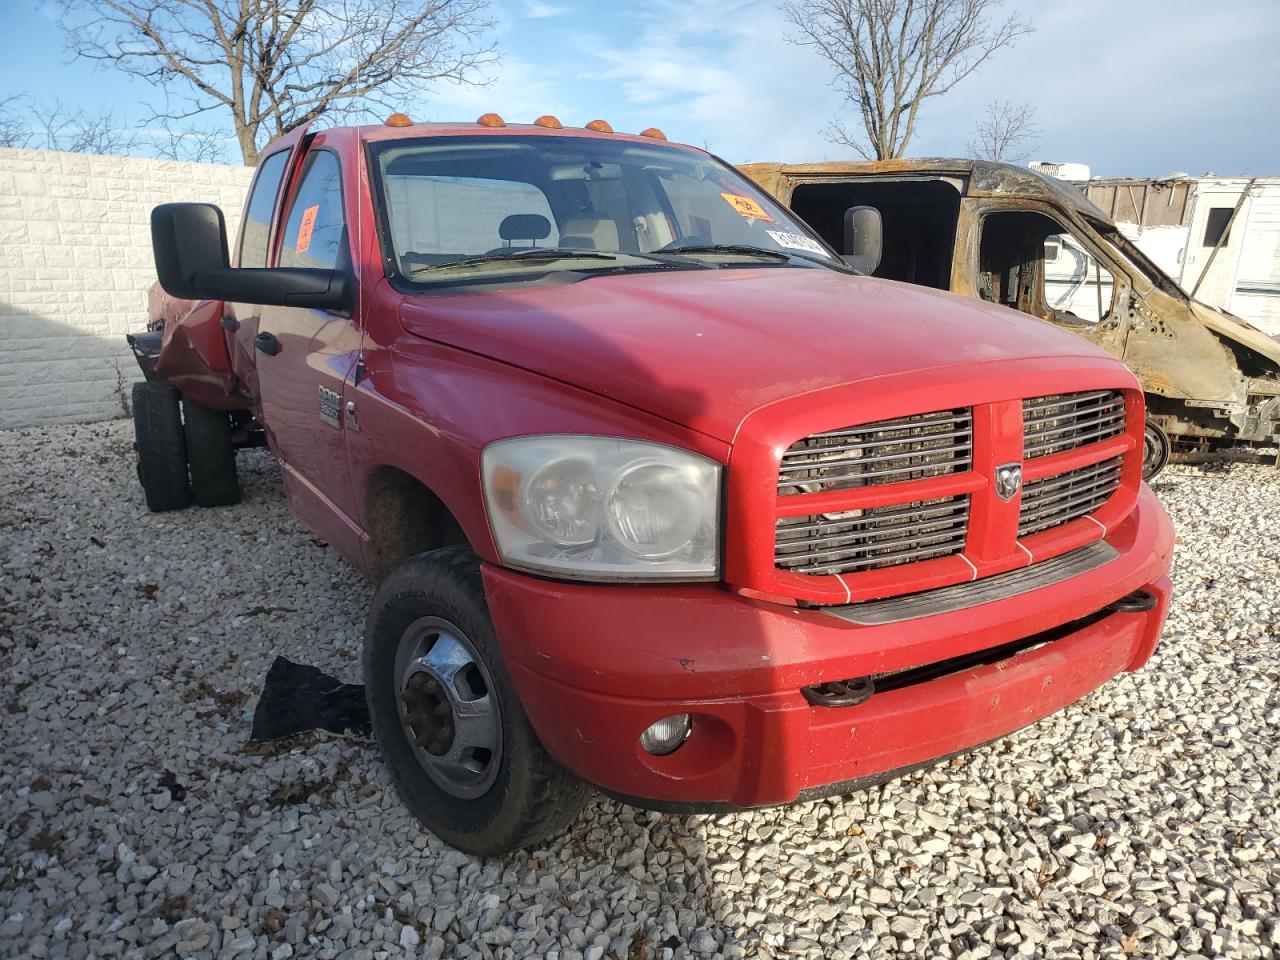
[399, 120]
[653, 132]
[491, 120]
[600, 126]
[548, 121]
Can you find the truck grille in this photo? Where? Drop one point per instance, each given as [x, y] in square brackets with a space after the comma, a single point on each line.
[888, 451]
[871, 538]
[1065, 421]
[869, 512]
[1055, 500]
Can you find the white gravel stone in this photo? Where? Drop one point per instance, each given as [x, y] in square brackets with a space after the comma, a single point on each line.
[134, 821]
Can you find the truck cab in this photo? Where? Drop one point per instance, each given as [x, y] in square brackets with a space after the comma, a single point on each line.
[1011, 236]
[659, 496]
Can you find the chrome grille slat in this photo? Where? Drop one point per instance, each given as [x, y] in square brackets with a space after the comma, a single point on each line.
[886, 451]
[875, 537]
[1060, 446]
[1061, 400]
[907, 471]
[903, 423]
[1105, 418]
[889, 543]
[883, 513]
[1068, 499]
[871, 532]
[1059, 499]
[1065, 479]
[1039, 505]
[1062, 422]
[927, 553]
[841, 448]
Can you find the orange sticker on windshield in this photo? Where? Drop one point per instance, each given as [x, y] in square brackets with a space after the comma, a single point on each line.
[746, 207]
[304, 230]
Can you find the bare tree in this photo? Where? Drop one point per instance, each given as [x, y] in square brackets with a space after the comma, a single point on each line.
[892, 55]
[55, 125]
[1005, 133]
[15, 131]
[194, 144]
[77, 131]
[274, 65]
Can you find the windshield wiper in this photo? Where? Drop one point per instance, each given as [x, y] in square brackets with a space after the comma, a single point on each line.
[738, 248]
[524, 253]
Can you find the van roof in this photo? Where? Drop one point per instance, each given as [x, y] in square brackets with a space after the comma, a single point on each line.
[985, 179]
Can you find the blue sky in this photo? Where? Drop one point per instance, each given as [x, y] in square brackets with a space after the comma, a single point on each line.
[1136, 87]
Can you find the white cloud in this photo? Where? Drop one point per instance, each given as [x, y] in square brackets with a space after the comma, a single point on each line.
[537, 10]
[520, 92]
[724, 77]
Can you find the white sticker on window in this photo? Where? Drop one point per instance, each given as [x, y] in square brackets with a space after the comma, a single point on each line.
[796, 241]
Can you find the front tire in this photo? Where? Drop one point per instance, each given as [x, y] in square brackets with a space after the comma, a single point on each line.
[460, 749]
[210, 455]
[158, 439]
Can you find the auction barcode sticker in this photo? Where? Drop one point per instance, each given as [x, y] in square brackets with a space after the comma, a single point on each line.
[796, 241]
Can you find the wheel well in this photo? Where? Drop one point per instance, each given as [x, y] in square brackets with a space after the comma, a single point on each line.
[404, 518]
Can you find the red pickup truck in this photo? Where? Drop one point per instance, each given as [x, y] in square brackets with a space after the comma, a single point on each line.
[660, 495]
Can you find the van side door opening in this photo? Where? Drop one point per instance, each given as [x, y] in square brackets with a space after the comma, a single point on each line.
[919, 217]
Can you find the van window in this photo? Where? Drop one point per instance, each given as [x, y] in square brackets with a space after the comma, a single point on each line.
[918, 216]
[316, 230]
[1028, 262]
[1074, 282]
[257, 216]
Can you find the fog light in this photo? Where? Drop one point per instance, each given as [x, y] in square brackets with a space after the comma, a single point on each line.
[666, 735]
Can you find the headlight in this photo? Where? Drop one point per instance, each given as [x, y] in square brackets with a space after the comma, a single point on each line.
[599, 508]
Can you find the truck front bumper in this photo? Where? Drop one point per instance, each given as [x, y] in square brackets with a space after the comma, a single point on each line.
[595, 665]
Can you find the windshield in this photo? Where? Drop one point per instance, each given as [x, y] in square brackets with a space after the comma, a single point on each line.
[1130, 250]
[463, 208]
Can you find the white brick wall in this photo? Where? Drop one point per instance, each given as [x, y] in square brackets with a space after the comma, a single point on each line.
[75, 265]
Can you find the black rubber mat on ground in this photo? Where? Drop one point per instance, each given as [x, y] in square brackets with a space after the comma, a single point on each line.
[297, 698]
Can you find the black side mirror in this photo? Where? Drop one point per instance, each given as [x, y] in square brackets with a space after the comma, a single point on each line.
[189, 241]
[863, 238]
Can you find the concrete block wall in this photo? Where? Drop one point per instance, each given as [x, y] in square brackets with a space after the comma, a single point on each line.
[75, 266]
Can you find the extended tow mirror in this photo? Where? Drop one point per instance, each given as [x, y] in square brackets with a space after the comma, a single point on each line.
[863, 238]
[189, 241]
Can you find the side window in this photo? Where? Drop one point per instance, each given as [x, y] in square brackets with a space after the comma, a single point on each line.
[1215, 226]
[315, 231]
[1074, 282]
[257, 215]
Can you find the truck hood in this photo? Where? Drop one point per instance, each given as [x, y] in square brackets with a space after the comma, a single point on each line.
[704, 348]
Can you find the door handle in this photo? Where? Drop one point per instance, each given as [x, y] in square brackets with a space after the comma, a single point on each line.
[267, 343]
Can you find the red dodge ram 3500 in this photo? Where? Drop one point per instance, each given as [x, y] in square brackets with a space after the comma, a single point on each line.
[661, 496]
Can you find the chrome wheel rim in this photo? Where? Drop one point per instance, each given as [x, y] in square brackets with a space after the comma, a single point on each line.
[448, 707]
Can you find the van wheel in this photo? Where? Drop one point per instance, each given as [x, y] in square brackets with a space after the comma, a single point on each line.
[1155, 451]
[210, 455]
[460, 749]
[158, 439]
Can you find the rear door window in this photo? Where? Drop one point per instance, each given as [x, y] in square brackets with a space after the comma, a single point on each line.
[316, 229]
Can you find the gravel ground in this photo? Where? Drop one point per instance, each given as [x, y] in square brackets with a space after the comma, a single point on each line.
[136, 822]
